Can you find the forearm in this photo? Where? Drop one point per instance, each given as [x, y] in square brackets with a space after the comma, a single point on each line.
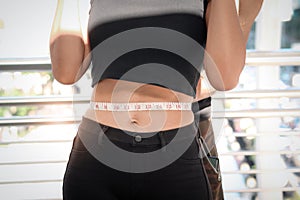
[67, 47]
[225, 45]
[248, 10]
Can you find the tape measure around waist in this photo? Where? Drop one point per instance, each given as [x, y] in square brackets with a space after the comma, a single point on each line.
[141, 106]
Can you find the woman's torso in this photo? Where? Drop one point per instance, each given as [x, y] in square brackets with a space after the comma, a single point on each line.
[108, 18]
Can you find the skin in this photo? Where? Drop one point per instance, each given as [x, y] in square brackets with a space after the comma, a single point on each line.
[227, 39]
[226, 44]
[229, 55]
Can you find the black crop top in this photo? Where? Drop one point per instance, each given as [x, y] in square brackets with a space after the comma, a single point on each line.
[158, 42]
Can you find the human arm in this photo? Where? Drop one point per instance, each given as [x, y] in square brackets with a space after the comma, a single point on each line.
[69, 44]
[248, 11]
[227, 35]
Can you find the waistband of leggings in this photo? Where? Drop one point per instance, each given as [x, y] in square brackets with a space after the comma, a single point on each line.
[137, 138]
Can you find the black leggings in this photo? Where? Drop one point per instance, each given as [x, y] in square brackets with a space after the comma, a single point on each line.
[88, 178]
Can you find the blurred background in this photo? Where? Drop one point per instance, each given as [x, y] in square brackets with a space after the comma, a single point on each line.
[259, 145]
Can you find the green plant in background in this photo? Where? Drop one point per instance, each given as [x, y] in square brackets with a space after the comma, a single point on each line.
[19, 85]
[295, 196]
[16, 111]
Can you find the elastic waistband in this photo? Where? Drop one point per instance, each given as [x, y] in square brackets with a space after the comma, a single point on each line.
[137, 138]
[140, 106]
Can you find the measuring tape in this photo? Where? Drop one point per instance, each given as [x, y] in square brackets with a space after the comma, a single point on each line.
[141, 106]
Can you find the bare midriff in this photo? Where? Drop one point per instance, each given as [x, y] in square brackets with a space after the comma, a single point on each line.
[120, 91]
